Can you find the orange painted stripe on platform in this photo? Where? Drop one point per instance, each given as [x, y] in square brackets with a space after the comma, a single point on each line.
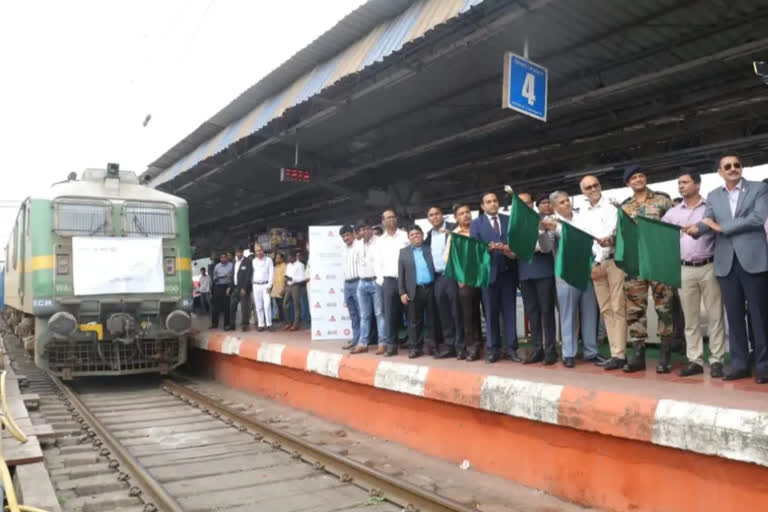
[294, 357]
[616, 414]
[360, 370]
[249, 349]
[454, 387]
[215, 342]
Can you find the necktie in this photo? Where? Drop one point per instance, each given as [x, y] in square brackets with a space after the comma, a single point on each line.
[496, 225]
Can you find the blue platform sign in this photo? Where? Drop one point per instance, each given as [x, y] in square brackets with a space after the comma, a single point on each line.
[525, 86]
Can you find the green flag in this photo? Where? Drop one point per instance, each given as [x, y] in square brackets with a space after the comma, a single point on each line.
[626, 255]
[574, 257]
[659, 251]
[469, 261]
[523, 231]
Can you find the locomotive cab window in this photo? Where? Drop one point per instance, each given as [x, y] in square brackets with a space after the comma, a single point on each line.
[82, 217]
[149, 219]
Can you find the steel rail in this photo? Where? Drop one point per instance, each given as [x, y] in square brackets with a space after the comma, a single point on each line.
[378, 484]
[152, 492]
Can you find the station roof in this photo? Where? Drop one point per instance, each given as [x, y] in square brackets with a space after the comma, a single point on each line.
[399, 105]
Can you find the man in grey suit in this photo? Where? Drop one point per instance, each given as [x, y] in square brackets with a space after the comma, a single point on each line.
[736, 213]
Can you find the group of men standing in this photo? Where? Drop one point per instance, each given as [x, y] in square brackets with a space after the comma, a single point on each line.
[723, 258]
[252, 280]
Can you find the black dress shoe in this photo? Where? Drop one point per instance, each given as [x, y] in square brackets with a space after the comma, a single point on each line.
[614, 363]
[512, 356]
[461, 355]
[761, 379]
[349, 346]
[391, 351]
[229, 328]
[491, 358]
[736, 375]
[536, 356]
[716, 370]
[472, 356]
[414, 353]
[568, 362]
[690, 369]
[445, 354]
[598, 360]
[550, 359]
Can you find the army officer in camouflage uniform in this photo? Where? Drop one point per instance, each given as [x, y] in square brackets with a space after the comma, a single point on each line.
[652, 205]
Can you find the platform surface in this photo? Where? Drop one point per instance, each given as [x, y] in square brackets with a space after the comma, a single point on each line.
[699, 414]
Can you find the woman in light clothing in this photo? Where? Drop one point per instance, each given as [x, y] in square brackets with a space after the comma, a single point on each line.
[278, 287]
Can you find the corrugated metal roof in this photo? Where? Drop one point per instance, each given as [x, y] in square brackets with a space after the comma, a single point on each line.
[387, 30]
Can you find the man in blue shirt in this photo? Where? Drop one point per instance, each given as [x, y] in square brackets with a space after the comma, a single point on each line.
[447, 327]
[415, 279]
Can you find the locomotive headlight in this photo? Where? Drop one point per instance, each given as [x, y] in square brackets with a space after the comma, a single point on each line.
[62, 264]
[170, 265]
[62, 324]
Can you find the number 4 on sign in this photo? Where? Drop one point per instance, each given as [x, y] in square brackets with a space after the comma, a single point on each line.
[529, 86]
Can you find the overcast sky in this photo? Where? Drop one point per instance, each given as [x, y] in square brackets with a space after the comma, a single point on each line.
[79, 77]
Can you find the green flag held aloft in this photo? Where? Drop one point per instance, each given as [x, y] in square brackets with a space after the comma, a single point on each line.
[523, 231]
[574, 257]
[469, 261]
[626, 254]
[659, 251]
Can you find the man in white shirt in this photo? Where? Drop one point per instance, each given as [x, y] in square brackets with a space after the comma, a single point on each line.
[296, 281]
[388, 247]
[599, 217]
[351, 280]
[263, 278]
[205, 290]
[368, 291]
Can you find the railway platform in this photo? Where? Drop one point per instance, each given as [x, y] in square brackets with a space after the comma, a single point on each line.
[603, 439]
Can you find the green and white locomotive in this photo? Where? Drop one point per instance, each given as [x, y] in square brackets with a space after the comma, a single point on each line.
[98, 277]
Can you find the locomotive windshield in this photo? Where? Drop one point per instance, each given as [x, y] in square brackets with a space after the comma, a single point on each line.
[149, 219]
[82, 217]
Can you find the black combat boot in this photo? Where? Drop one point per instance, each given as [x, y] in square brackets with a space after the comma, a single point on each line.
[665, 356]
[636, 362]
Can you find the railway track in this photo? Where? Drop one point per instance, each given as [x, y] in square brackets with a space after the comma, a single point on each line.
[146, 444]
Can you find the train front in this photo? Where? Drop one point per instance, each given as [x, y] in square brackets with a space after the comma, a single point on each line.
[121, 284]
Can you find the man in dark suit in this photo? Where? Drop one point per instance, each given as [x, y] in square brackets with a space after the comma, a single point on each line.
[447, 327]
[240, 292]
[415, 279]
[736, 213]
[500, 297]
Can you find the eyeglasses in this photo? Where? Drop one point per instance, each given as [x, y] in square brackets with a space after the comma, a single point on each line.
[735, 165]
[592, 186]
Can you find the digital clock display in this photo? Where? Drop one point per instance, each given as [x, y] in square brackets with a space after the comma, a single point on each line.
[295, 175]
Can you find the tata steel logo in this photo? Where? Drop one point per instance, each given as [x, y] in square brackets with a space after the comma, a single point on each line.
[318, 306]
[331, 292]
[331, 304]
[318, 332]
[347, 332]
[330, 234]
[317, 277]
[332, 319]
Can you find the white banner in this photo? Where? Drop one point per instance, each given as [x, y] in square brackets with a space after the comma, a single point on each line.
[115, 265]
[330, 317]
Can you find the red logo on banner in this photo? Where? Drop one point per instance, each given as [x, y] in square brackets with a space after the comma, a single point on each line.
[318, 306]
[346, 332]
[330, 234]
[317, 277]
[332, 319]
[331, 292]
[318, 332]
